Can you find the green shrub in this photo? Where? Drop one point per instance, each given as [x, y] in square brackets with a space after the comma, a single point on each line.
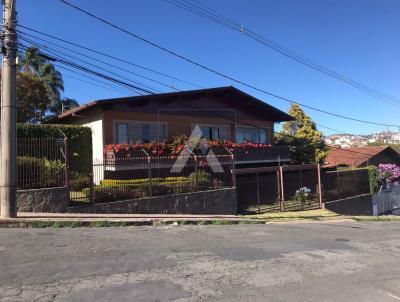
[35, 172]
[114, 190]
[78, 182]
[373, 178]
[203, 178]
[79, 141]
[115, 182]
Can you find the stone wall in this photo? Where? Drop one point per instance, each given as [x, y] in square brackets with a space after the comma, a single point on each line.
[221, 201]
[357, 205]
[50, 200]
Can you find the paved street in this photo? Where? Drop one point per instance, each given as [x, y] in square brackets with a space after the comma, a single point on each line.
[335, 261]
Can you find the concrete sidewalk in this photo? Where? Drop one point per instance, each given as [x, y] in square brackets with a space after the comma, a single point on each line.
[119, 217]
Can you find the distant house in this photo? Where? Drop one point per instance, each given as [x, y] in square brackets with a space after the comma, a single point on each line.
[362, 156]
[223, 113]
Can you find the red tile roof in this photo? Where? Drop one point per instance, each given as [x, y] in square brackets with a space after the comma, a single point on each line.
[352, 157]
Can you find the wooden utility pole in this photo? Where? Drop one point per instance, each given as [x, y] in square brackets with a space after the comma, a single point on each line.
[8, 112]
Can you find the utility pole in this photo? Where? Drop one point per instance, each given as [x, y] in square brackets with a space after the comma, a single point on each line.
[8, 112]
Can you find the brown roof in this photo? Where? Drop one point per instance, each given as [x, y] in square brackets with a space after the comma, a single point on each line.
[243, 99]
[352, 157]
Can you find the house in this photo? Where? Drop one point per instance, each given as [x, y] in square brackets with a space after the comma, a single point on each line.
[223, 113]
[358, 157]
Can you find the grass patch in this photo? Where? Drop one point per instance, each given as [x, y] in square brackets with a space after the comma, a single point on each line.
[319, 214]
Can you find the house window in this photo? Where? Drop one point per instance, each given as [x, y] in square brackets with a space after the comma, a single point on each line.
[215, 132]
[252, 134]
[146, 133]
[136, 132]
[122, 133]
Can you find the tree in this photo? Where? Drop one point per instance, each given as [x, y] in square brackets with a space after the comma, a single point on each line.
[304, 140]
[32, 98]
[32, 62]
[64, 105]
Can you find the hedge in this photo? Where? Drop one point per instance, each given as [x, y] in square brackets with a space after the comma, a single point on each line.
[114, 190]
[35, 173]
[373, 178]
[79, 141]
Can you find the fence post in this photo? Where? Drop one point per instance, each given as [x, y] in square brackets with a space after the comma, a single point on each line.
[91, 188]
[66, 170]
[282, 202]
[258, 192]
[150, 176]
[233, 171]
[196, 183]
[321, 205]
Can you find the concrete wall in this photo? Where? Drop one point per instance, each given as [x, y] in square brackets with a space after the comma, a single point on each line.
[357, 205]
[222, 201]
[50, 200]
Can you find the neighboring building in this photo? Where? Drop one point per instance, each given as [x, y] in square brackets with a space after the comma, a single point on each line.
[362, 156]
[224, 113]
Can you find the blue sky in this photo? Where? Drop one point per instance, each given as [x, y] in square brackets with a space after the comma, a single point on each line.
[358, 38]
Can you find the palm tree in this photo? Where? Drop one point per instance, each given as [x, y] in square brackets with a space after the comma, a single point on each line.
[31, 61]
[54, 83]
[67, 104]
[64, 105]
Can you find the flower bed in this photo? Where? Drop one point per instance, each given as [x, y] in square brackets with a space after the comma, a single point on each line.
[175, 147]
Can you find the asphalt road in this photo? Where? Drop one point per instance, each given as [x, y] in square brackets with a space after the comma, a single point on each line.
[281, 262]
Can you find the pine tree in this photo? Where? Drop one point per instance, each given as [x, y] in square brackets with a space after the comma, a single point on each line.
[304, 140]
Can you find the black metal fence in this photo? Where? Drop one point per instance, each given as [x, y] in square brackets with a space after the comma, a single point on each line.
[121, 179]
[345, 183]
[280, 188]
[288, 188]
[41, 163]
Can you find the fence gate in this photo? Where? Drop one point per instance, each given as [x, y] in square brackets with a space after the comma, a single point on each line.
[280, 188]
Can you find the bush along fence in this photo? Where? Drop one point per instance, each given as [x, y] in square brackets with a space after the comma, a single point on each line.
[79, 151]
[41, 163]
[117, 179]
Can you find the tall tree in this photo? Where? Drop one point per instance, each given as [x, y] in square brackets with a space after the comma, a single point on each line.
[301, 135]
[54, 83]
[32, 98]
[32, 62]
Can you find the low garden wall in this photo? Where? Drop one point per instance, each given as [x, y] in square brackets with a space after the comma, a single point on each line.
[50, 200]
[219, 202]
[356, 205]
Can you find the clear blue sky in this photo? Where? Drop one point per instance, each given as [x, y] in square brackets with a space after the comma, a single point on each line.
[358, 38]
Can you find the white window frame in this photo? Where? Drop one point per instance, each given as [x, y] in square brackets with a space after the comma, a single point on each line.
[268, 130]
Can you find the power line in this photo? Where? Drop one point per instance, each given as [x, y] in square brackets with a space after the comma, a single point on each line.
[94, 59]
[57, 53]
[138, 89]
[103, 85]
[210, 14]
[217, 72]
[110, 56]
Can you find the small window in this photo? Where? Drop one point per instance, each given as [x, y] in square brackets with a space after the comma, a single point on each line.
[122, 133]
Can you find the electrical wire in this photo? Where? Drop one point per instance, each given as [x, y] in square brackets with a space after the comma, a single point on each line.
[217, 72]
[95, 59]
[207, 13]
[110, 56]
